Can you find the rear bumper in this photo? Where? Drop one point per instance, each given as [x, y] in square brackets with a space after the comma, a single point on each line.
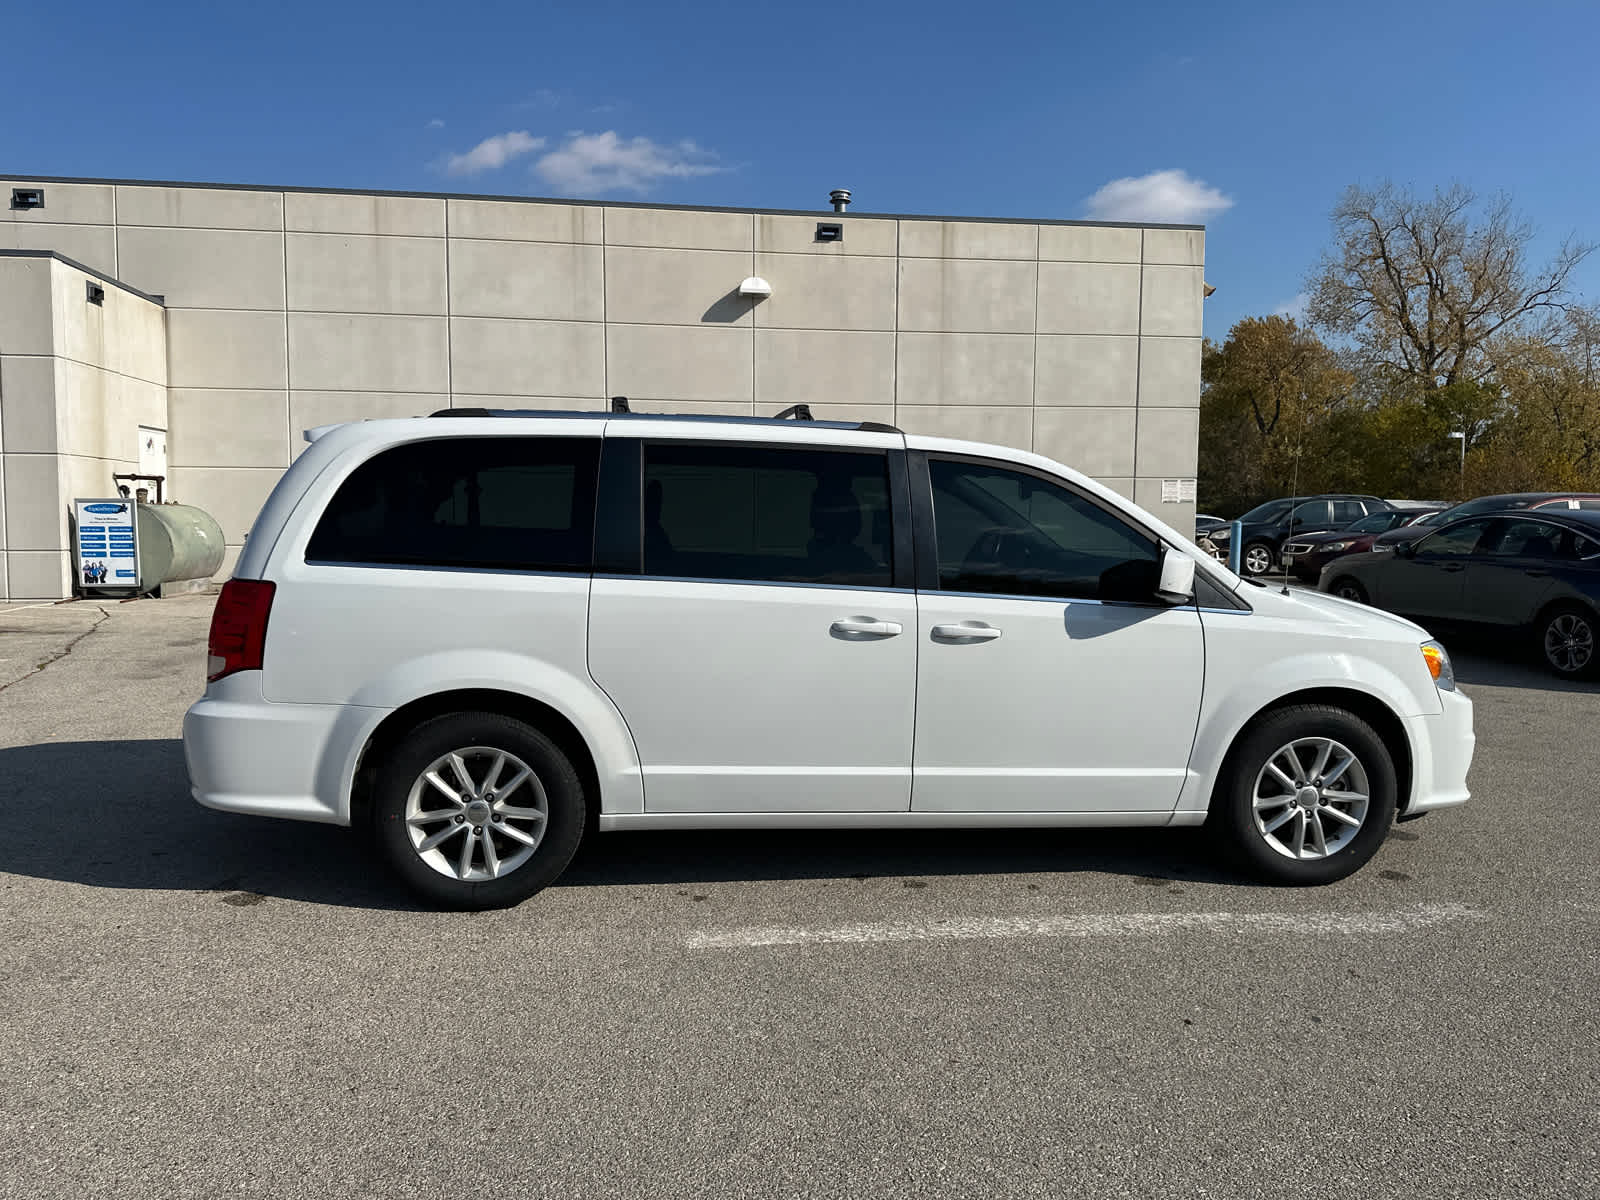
[1442, 745]
[246, 755]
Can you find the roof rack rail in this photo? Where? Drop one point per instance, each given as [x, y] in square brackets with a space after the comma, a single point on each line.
[798, 412]
[463, 412]
[619, 404]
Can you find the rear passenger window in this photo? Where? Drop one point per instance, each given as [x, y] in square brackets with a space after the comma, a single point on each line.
[767, 514]
[507, 503]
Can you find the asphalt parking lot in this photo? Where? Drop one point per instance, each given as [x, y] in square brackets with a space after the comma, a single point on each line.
[198, 1004]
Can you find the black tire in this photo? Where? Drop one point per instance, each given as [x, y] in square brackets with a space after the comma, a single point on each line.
[1349, 588]
[552, 780]
[1233, 816]
[1264, 548]
[1566, 641]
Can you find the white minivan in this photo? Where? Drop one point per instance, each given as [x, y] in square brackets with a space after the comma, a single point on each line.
[485, 634]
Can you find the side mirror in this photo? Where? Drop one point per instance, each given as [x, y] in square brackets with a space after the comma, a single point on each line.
[1177, 578]
[1406, 550]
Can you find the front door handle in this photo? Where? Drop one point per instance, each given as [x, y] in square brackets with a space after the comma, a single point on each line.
[864, 628]
[1452, 568]
[964, 633]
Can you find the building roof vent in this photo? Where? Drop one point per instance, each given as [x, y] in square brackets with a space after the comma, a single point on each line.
[840, 198]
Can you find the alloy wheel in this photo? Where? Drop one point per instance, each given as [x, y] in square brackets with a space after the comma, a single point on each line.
[1311, 798]
[1569, 643]
[1257, 560]
[476, 813]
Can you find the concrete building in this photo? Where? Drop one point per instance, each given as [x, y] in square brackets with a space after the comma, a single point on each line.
[229, 319]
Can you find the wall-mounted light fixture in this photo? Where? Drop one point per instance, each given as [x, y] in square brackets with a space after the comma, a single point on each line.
[830, 231]
[756, 288]
[95, 293]
[27, 197]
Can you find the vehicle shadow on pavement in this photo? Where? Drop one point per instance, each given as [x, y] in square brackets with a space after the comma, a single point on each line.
[1478, 663]
[117, 814]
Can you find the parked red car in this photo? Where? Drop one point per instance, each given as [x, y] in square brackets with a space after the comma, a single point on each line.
[1305, 555]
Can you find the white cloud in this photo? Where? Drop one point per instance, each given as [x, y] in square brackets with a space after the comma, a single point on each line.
[436, 123]
[493, 152]
[1167, 196]
[589, 163]
[1294, 309]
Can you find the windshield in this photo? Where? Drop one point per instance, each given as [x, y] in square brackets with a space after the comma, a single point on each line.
[1270, 511]
[1428, 518]
[1372, 523]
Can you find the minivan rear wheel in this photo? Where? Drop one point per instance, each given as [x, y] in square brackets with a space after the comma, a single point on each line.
[478, 810]
[1307, 796]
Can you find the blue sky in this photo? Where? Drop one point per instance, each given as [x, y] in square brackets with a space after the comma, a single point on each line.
[1268, 110]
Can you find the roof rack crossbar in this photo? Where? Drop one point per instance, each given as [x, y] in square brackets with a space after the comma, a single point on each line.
[797, 412]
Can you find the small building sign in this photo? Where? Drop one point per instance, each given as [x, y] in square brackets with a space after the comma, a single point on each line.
[108, 545]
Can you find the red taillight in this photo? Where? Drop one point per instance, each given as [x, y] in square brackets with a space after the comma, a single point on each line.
[239, 627]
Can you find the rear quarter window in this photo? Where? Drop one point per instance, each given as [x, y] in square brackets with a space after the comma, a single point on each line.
[504, 503]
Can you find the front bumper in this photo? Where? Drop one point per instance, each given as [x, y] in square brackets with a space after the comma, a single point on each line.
[247, 755]
[1441, 750]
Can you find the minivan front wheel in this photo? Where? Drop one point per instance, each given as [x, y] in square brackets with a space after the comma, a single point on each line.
[1257, 558]
[1307, 797]
[478, 810]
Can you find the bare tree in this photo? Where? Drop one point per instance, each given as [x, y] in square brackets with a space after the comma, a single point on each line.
[1429, 289]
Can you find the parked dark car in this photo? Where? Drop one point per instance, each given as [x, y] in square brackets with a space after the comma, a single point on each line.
[1531, 574]
[1471, 508]
[1304, 555]
[1204, 524]
[1267, 526]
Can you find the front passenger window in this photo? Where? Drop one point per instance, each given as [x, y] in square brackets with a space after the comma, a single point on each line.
[1002, 532]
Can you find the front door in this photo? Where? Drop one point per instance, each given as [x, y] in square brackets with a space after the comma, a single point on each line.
[763, 658]
[1509, 578]
[1429, 582]
[1050, 680]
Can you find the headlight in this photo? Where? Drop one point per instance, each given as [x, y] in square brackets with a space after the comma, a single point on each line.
[1338, 545]
[1220, 535]
[1438, 660]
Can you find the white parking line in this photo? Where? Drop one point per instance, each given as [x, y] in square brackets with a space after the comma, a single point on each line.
[1094, 925]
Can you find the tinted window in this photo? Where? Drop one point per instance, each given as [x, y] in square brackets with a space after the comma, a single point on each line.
[1533, 539]
[1270, 511]
[1589, 503]
[1457, 541]
[1377, 522]
[520, 503]
[1310, 515]
[1010, 533]
[1345, 511]
[767, 514]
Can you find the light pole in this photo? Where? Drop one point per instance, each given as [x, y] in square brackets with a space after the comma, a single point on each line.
[1462, 434]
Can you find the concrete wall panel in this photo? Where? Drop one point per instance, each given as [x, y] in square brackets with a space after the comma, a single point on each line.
[526, 358]
[974, 423]
[825, 292]
[204, 268]
[350, 273]
[218, 428]
[1096, 441]
[1098, 370]
[506, 220]
[669, 228]
[675, 287]
[1088, 243]
[26, 324]
[233, 495]
[1147, 495]
[38, 574]
[1176, 247]
[994, 369]
[1168, 441]
[28, 422]
[958, 296]
[1088, 298]
[847, 370]
[99, 412]
[659, 362]
[201, 208]
[967, 239]
[394, 216]
[92, 245]
[211, 349]
[34, 517]
[340, 352]
[798, 235]
[135, 337]
[64, 203]
[1169, 372]
[534, 280]
[1172, 299]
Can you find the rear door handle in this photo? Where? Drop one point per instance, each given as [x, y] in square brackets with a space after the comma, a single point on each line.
[964, 632]
[864, 628]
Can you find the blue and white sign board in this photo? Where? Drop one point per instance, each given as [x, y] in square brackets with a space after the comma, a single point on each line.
[108, 544]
